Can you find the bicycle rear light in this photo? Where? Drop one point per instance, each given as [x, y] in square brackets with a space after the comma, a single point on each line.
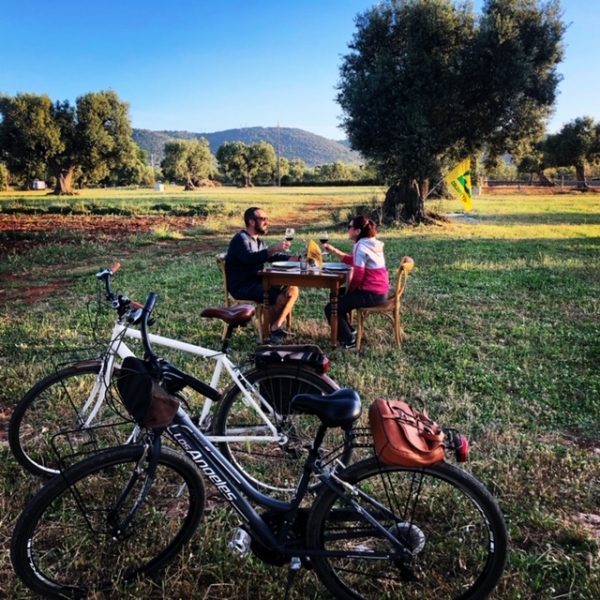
[461, 448]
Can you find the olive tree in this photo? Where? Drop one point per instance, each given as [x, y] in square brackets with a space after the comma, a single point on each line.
[188, 161]
[427, 83]
[241, 163]
[93, 137]
[577, 145]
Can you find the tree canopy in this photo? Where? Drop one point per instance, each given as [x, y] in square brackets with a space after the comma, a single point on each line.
[90, 140]
[428, 83]
[241, 162]
[577, 145]
[188, 161]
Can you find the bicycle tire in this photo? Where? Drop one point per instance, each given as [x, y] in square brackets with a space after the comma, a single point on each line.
[64, 544]
[450, 522]
[45, 424]
[271, 467]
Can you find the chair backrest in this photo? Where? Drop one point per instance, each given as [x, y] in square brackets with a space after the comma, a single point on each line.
[406, 266]
[221, 262]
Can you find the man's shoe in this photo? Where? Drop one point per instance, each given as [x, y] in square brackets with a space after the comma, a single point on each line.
[278, 336]
[286, 333]
[348, 345]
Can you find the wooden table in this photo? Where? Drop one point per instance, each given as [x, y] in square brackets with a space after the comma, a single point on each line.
[314, 279]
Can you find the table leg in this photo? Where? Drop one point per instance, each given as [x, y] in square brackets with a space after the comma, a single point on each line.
[333, 297]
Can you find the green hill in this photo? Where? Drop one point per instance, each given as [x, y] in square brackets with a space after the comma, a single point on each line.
[293, 143]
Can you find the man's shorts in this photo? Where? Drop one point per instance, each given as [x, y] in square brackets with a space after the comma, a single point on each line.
[254, 292]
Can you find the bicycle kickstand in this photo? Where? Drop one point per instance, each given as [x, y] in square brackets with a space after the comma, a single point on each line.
[295, 565]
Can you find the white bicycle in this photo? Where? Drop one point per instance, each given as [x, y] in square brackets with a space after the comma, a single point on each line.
[77, 409]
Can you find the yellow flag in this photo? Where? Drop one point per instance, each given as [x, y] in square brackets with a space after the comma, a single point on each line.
[459, 180]
[313, 251]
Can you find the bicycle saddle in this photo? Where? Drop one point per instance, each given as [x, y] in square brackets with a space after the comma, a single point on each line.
[339, 409]
[232, 315]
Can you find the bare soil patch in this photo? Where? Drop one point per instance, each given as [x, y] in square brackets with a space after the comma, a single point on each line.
[22, 232]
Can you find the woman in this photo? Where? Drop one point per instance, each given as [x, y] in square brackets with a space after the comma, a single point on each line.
[370, 282]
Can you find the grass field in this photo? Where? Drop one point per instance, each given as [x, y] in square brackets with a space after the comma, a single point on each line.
[502, 318]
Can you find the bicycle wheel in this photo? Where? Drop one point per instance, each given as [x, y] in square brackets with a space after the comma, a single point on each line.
[47, 421]
[70, 539]
[453, 535]
[272, 466]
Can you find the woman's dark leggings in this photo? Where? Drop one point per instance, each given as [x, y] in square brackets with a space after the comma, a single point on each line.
[347, 303]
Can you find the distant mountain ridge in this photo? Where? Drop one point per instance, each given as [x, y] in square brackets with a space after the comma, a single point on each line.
[293, 143]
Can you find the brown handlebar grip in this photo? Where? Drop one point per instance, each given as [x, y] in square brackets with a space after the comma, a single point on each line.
[135, 305]
[116, 266]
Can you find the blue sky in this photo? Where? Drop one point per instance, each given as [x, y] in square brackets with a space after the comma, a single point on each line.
[210, 65]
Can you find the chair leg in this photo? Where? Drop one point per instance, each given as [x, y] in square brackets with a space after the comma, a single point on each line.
[398, 333]
[359, 328]
[259, 322]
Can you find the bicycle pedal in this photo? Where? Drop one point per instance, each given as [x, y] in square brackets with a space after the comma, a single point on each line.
[240, 542]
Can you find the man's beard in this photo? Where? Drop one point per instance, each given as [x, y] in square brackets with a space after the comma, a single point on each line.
[261, 229]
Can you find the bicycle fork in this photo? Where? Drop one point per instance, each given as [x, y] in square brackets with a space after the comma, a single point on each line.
[118, 529]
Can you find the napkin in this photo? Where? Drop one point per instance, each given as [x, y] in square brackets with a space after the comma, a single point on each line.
[313, 251]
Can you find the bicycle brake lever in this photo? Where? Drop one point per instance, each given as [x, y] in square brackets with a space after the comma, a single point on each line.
[135, 317]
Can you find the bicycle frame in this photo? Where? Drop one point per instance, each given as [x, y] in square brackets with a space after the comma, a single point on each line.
[118, 348]
[239, 492]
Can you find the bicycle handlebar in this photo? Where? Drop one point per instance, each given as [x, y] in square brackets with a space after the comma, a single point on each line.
[146, 312]
[121, 303]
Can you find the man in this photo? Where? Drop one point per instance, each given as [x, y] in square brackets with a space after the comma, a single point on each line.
[246, 256]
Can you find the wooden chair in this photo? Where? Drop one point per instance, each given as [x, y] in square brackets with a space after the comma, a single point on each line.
[231, 301]
[391, 308]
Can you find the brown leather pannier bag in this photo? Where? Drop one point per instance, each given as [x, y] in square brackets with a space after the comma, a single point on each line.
[405, 436]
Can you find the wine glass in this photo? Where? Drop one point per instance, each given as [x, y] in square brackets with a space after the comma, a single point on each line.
[289, 234]
[323, 238]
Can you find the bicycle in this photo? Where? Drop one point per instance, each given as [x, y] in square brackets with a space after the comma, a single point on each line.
[373, 531]
[251, 421]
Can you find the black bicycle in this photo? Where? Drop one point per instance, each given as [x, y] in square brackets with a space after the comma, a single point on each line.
[373, 531]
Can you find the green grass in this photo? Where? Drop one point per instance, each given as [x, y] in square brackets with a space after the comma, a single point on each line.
[502, 317]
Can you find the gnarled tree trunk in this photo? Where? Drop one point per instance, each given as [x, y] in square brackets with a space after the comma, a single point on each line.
[404, 201]
[544, 179]
[581, 182]
[64, 180]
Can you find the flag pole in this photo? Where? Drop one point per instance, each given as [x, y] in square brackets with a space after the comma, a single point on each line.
[433, 188]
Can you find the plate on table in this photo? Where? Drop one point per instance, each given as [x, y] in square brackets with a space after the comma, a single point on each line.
[335, 267]
[285, 264]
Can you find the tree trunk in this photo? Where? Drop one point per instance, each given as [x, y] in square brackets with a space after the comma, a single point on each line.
[404, 201]
[581, 182]
[64, 180]
[544, 179]
[189, 186]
